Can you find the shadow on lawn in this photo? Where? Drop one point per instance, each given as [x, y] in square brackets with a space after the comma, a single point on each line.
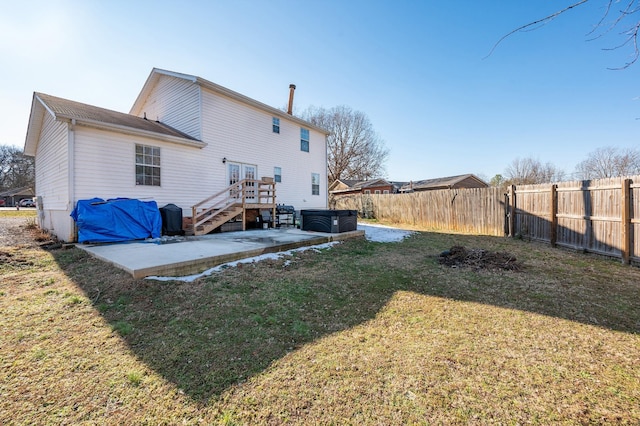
[211, 334]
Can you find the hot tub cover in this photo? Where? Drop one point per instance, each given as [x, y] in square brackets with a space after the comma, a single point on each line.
[115, 220]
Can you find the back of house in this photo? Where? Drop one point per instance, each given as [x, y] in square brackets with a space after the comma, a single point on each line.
[184, 140]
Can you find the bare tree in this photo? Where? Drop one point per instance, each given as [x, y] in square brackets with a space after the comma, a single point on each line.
[609, 162]
[354, 149]
[16, 169]
[528, 171]
[623, 18]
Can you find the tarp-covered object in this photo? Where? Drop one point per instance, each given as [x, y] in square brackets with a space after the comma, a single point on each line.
[120, 219]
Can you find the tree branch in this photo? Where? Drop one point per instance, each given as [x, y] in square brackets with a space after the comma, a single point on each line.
[531, 24]
[632, 34]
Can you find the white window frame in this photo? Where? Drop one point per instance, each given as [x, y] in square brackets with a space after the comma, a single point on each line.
[275, 125]
[315, 183]
[304, 139]
[148, 165]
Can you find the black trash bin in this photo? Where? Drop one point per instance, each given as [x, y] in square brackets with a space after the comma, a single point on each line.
[171, 220]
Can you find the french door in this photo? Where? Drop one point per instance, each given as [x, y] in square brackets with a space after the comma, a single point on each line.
[238, 171]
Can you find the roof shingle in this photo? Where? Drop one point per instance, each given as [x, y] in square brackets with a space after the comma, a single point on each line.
[64, 108]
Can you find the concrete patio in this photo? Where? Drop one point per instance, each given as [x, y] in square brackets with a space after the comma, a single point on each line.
[179, 256]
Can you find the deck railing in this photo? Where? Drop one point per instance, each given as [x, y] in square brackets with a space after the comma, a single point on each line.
[237, 198]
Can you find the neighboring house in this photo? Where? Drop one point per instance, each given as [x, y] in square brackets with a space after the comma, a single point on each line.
[12, 197]
[397, 185]
[184, 140]
[450, 182]
[374, 186]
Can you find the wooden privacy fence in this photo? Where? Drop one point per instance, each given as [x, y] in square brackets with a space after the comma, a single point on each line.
[476, 211]
[600, 216]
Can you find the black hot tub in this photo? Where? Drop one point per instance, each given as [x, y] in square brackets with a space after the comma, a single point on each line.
[333, 221]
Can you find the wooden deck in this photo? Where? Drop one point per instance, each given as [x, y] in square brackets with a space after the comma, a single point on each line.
[243, 200]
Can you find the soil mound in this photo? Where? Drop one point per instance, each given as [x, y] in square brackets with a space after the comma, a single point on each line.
[477, 259]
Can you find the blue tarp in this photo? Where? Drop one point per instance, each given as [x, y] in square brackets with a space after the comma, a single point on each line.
[120, 219]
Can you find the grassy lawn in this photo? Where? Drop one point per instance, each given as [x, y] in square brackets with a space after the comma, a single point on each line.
[363, 333]
[23, 212]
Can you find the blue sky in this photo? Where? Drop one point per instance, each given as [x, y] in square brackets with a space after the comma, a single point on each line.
[416, 68]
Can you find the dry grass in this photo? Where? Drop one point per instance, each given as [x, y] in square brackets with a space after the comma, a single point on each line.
[364, 333]
[24, 213]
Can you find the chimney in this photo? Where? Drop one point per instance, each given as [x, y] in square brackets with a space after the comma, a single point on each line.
[292, 88]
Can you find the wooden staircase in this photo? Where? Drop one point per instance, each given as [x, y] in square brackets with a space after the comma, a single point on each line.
[231, 202]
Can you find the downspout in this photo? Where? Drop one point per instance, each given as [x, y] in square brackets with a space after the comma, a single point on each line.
[71, 175]
[200, 114]
[326, 170]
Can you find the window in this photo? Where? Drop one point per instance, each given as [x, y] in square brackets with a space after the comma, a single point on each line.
[304, 140]
[315, 184]
[377, 191]
[277, 174]
[276, 125]
[367, 191]
[386, 191]
[147, 165]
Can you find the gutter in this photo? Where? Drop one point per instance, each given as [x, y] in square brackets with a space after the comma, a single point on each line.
[131, 131]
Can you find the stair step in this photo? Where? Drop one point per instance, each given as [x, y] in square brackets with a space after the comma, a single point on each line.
[218, 216]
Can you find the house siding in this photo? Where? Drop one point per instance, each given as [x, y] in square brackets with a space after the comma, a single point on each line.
[82, 161]
[243, 134]
[175, 102]
[52, 158]
[52, 177]
[105, 168]
[373, 189]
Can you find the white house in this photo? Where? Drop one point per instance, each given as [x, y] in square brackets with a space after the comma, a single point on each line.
[184, 140]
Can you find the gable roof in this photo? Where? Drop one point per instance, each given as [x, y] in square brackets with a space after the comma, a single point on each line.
[397, 184]
[371, 183]
[78, 113]
[442, 182]
[156, 73]
[357, 185]
[350, 182]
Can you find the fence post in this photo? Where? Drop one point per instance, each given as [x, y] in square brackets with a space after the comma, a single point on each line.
[512, 211]
[626, 221]
[553, 235]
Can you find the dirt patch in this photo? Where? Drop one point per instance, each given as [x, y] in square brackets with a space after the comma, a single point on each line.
[14, 231]
[23, 232]
[13, 257]
[477, 259]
